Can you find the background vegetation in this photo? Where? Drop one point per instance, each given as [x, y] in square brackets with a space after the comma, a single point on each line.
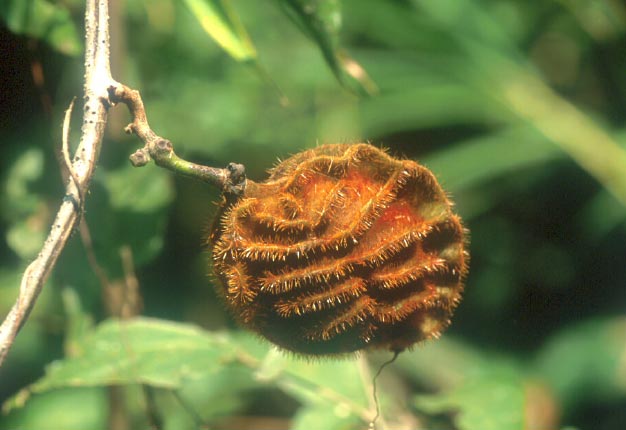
[517, 106]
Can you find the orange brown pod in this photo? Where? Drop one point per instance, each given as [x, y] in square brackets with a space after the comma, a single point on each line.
[342, 248]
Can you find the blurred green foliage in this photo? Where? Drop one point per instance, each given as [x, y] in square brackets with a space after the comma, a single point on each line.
[519, 109]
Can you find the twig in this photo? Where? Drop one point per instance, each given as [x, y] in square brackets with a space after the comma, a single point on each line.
[85, 236]
[132, 300]
[231, 180]
[100, 92]
[154, 418]
[65, 149]
[97, 80]
[117, 416]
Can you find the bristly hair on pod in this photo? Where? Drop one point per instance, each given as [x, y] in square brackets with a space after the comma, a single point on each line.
[342, 248]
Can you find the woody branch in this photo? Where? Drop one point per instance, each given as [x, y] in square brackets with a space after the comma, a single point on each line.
[101, 92]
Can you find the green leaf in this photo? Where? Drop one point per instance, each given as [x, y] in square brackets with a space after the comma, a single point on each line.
[70, 409]
[338, 382]
[333, 392]
[586, 361]
[602, 215]
[449, 363]
[149, 351]
[324, 417]
[485, 390]
[26, 237]
[469, 20]
[220, 21]
[441, 105]
[144, 350]
[24, 209]
[9, 286]
[139, 351]
[321, 21]
[487, 402]
[135, 214]
[600, 19]
[139, 190]
[586, 141]
[44, 20]
[78, 325]
[17, 199]
[222, 393]
[463, 165]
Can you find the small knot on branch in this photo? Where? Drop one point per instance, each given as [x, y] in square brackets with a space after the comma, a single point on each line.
[236, 181]
[163, 146]
[140, 158]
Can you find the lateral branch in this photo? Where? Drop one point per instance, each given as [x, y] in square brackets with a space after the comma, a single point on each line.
[230, 180]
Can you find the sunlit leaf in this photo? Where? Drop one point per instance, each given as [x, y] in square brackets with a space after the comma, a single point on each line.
[141, 351]
[321, 21]
[220, 21]
[150, 352]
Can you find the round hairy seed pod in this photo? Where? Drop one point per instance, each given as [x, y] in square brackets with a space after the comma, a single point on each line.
[343, 248]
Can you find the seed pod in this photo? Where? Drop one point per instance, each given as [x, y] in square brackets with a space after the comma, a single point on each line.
[342, 248]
